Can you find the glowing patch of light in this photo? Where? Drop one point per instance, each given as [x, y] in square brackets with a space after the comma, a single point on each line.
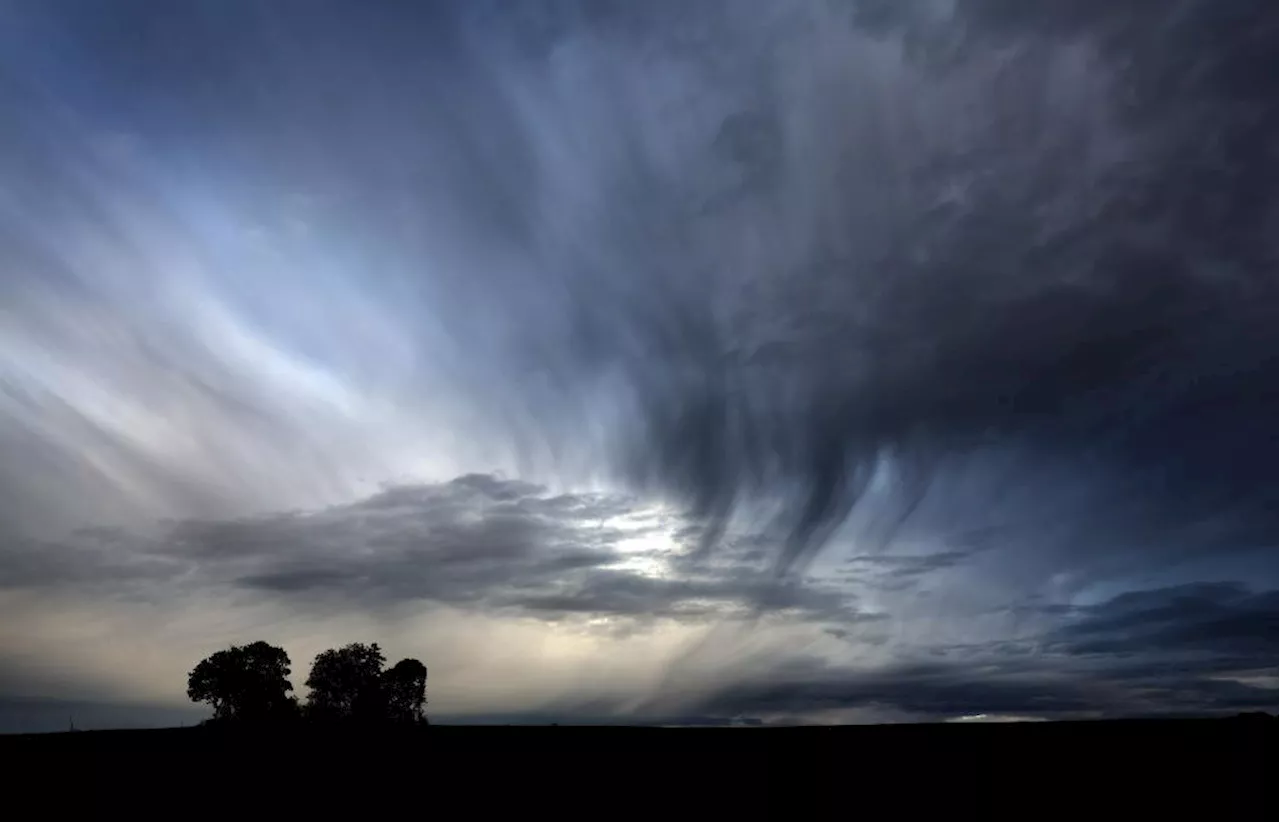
[648, 541]
[972, 718]
[1268, 681]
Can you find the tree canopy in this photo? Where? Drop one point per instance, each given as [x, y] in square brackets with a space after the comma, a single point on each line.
[346, 682]
[249, 683]
[349, 683]
[244, 682]
[405, 690]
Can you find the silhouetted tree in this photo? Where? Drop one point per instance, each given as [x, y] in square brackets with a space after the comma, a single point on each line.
[405, 691]
[244, 683]
[346, 683]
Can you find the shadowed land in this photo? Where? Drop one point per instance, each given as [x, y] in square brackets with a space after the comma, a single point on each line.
[1225, 768]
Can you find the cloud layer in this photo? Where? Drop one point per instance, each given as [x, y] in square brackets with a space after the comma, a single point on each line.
[832, 359]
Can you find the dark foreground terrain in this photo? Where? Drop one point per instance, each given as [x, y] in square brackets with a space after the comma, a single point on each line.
[1209, 769]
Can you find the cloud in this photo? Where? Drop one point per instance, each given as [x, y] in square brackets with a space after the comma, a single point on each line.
[1213, 619]
[933, 692]
[617, 593]
[900, 571]
[784, 649]
[937, 692]
[477, 541]
[1036, 265]
[731, 276]
[1183, 649]
[890, 334]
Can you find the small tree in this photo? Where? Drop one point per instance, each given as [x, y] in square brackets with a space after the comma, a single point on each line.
[405, 689]
[244, 682]
[346, 683]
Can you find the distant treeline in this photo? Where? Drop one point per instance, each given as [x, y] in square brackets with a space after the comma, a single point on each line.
[249, 684]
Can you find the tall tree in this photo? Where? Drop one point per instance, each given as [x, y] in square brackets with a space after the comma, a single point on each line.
[244, 682]
[405, 691]
[346, 683]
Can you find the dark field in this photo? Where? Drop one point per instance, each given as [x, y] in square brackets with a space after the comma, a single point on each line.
[1209, 769]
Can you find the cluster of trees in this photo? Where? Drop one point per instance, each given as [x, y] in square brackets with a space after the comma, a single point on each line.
[250, 684]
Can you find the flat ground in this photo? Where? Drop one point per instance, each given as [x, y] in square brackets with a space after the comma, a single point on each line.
[1212, 769]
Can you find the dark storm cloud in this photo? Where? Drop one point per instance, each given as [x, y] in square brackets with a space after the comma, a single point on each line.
[1055, 688]
[903, 571]
[776, 250]
[934, 691]
[457, 542]
[1214, 619]
[1045, 271]
[503, 544]
[477, 541]
[91, 557]
[1182, 649]
[1154, 360]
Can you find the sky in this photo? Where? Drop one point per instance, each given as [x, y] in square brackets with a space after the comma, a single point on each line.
[730, 362]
